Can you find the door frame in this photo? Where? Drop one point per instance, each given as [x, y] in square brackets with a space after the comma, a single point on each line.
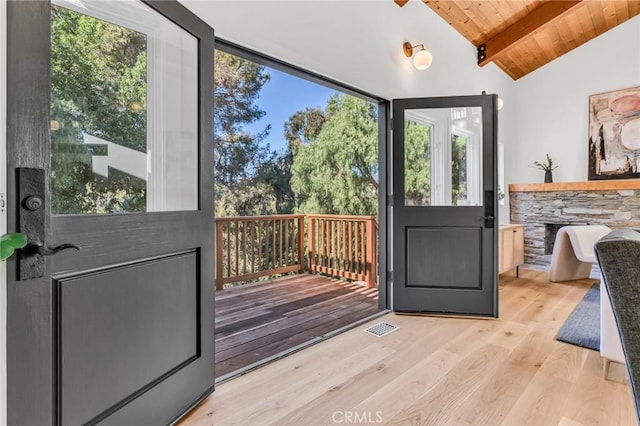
[384, 146]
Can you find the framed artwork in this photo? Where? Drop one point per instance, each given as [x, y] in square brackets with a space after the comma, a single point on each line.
[614, 134]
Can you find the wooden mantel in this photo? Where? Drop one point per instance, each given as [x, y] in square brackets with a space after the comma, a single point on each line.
[593, 185]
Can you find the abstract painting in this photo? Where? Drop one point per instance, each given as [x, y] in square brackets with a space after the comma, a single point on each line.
[614, 134]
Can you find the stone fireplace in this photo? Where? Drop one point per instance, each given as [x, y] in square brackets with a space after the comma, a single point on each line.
[545, 208]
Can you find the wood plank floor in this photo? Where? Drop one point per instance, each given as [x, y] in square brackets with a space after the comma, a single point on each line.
[262, 319]
[439, 371]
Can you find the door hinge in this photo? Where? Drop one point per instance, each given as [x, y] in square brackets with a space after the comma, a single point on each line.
[390, 200]
[389, 276]
[391, 122]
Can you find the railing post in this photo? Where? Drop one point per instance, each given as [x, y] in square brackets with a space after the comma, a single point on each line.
[301, 242]
[218, 265]
[370, 262]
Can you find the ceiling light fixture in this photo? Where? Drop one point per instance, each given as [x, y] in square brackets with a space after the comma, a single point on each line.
[423, 57]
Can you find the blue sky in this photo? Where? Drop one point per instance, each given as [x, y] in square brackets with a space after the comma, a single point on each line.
[283, 96]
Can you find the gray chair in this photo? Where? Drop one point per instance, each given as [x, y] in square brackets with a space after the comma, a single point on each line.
[618, 255]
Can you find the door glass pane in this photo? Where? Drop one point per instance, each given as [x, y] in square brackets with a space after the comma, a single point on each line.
[459, 184]
[124, 125]
[417, 160]
[443, 157]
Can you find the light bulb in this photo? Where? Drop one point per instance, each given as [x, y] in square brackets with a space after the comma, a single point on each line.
[422, 60]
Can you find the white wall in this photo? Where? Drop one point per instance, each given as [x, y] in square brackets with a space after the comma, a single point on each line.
[552, 103]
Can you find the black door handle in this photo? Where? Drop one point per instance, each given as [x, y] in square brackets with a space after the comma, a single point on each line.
[489, 219]
[43, 250]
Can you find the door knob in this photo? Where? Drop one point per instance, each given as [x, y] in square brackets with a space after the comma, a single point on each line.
[43, 250]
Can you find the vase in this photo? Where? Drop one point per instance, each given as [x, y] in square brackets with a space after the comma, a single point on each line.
[548, 176]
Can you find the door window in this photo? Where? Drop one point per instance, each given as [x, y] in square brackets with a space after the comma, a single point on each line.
[124, 110]
[443, 157]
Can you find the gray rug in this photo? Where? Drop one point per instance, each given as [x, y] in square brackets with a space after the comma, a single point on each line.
[582, 328]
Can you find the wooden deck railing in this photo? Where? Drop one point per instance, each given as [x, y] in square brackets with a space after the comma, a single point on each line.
[344, 246]
[251, 247]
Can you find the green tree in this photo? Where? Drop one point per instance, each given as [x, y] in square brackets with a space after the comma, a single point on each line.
[417, 160]
[240, 157]
[300, 129]
[336, 171]
[335, 166]
[98, 87]
[459, 190]
[303, 127]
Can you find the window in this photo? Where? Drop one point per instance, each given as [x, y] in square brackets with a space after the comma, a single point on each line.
[124, 103]
[443, 157]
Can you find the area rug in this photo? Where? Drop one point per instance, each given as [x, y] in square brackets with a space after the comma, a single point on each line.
[582, 328]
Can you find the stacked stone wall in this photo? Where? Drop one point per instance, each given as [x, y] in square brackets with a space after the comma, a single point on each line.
[613, 208]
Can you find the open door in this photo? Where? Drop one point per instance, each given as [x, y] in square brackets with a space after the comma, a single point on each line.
[110, 306]
[445, 205]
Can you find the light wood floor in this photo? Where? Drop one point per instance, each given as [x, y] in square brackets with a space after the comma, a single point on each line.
[439, 371]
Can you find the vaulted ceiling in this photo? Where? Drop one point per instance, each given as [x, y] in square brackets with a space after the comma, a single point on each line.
[520, 36]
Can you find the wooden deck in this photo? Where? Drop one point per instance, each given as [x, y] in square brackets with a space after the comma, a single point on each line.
[262, 319]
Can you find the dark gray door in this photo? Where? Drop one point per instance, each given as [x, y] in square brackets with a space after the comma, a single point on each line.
[110, 149]
[444, 205]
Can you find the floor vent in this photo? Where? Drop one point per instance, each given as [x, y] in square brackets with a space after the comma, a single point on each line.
[381, 328]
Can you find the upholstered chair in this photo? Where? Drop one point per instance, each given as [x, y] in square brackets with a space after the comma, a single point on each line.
[618, 255]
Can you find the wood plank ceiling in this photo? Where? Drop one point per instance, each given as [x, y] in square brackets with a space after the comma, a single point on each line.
[520, 36]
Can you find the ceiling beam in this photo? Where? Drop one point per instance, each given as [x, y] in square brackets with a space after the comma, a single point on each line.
[530, 24]
[401, 2]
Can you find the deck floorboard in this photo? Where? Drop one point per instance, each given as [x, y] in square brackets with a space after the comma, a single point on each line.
[262, 319]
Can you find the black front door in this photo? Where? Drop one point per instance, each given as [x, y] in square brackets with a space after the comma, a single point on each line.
[445, 206]
[109, 131]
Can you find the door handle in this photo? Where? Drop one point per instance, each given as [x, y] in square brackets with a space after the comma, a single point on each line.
[43, 250]
[32, 215]
[489, 219]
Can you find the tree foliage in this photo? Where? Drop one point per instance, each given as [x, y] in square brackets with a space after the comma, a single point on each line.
[303, 127]
[240, 157]
[336, 172]
[98, 87]
[459, 189]
[417, 160]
